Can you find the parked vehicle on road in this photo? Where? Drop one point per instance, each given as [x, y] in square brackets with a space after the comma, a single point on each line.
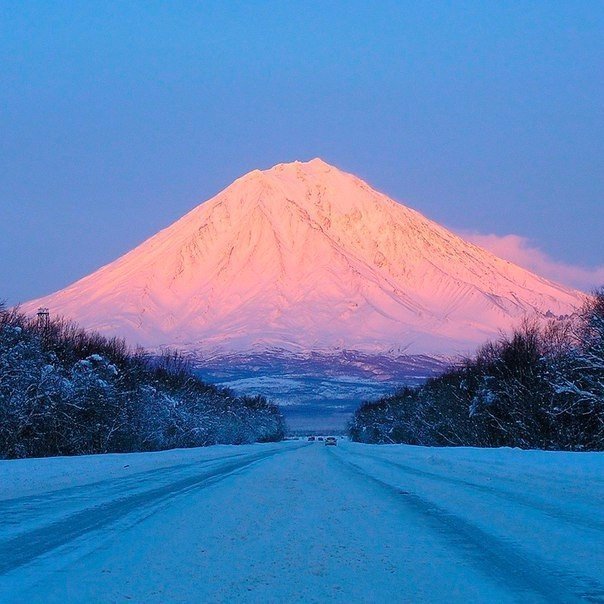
[331, 440]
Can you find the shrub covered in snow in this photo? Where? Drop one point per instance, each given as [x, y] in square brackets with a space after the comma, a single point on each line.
[541, 387]
[64, 391]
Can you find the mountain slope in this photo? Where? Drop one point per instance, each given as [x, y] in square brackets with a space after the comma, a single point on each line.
[306, 257]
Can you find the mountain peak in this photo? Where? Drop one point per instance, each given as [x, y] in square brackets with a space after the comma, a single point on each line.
[314, 168]
[304, 256]
[312, 165]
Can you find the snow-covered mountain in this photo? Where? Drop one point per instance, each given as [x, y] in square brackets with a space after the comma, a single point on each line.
[307, 257]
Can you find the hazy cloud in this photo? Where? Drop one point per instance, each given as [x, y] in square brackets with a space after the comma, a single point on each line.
[521, 251]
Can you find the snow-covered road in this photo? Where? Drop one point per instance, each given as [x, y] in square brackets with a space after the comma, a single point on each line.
[299, 521]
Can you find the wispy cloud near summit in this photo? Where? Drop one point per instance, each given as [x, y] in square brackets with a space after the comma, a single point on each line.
[522, 251]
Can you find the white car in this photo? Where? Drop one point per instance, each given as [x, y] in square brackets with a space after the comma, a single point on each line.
[331, 440]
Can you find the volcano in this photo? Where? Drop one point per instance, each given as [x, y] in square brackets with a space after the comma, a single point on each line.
[305, 257]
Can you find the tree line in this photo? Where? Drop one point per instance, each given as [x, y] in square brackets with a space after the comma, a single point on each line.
[66, 391]
[540, 387]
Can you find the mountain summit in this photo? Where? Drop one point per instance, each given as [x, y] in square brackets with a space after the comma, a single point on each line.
[302, 257]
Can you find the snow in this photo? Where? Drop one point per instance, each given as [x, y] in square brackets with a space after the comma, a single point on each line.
[299, 521]
[304, 256]
[24, 477]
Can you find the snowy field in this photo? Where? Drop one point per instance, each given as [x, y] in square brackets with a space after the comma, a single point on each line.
[299, 521]
[317, 391]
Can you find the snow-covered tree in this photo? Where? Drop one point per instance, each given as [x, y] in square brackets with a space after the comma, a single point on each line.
[64, 391]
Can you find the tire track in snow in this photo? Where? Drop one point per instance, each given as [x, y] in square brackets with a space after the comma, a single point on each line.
[54, 505]
[552, 510]
[492, 555]
[26, 547]
[15, 511]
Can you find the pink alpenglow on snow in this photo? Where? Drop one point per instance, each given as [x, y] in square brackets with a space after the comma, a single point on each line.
[302, 257]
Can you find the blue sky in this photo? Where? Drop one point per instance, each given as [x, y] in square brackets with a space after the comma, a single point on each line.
[117, 118]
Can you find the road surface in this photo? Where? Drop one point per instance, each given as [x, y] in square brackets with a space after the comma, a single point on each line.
[302, 522]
